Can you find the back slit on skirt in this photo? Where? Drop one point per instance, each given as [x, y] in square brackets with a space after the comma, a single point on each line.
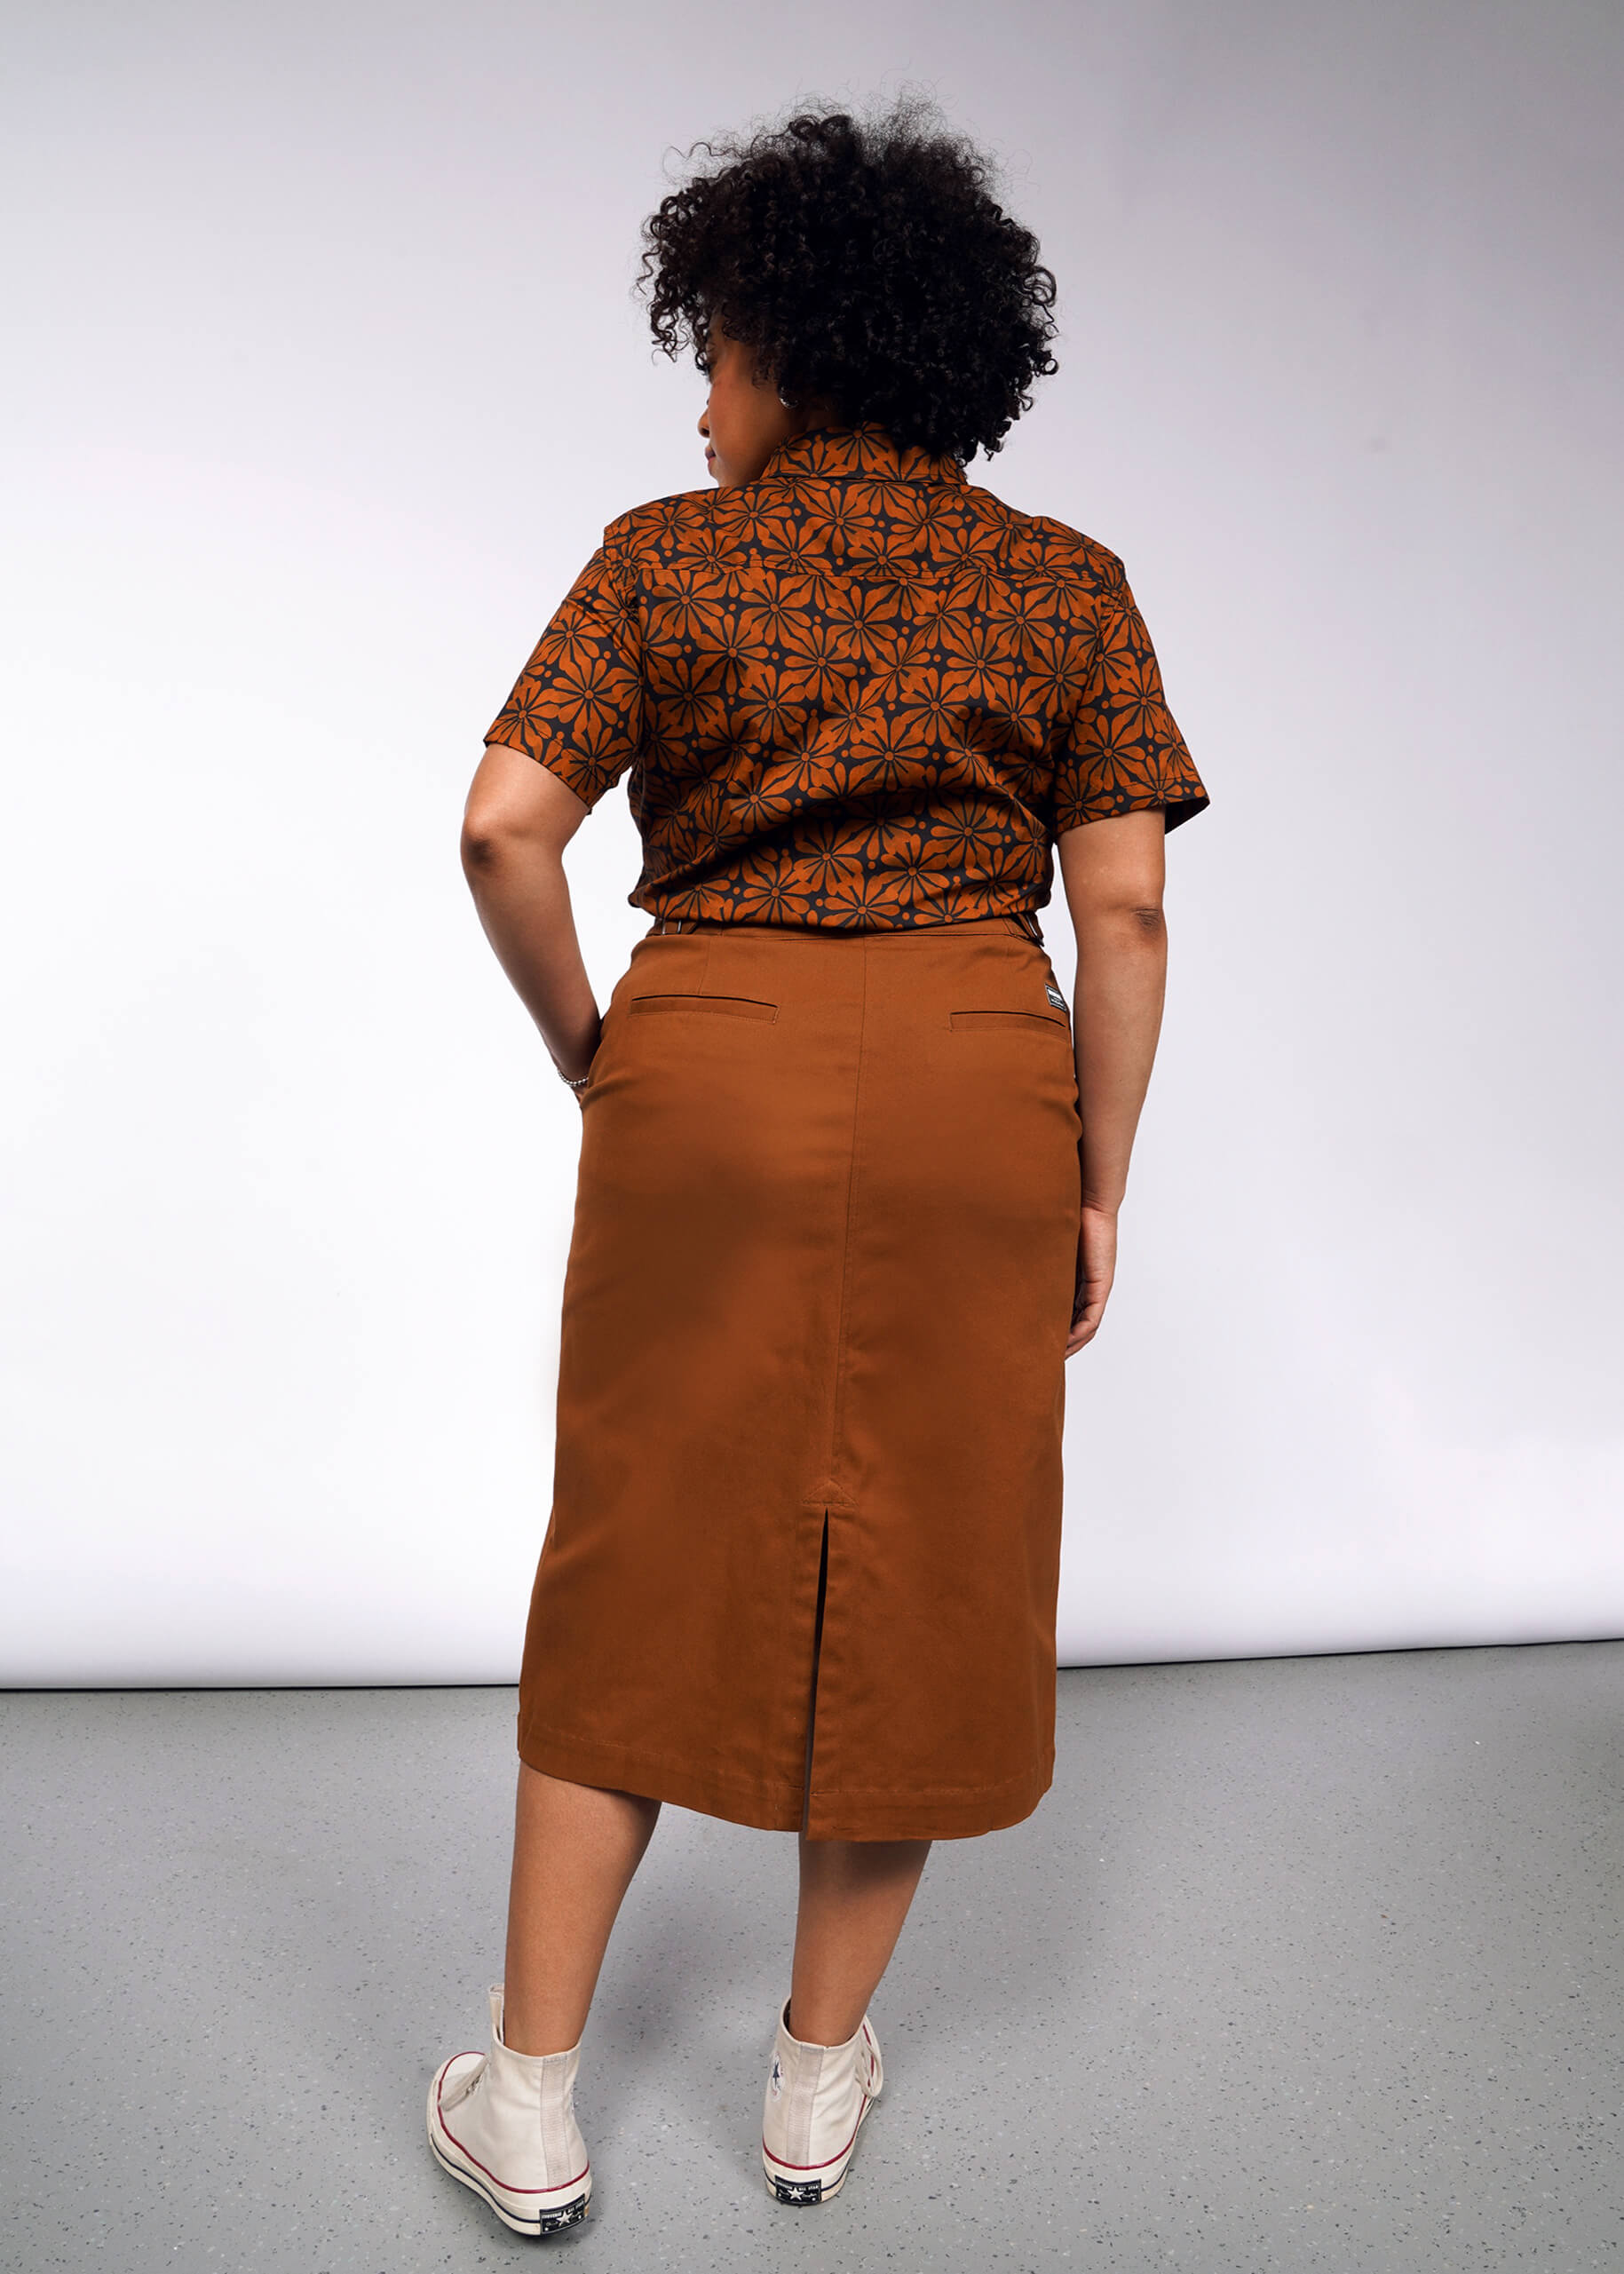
[811, 1703]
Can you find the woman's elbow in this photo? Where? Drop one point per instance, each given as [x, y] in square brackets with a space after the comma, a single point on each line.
[1132, 924]
[484, 843]
[516, 815]
[494, 840]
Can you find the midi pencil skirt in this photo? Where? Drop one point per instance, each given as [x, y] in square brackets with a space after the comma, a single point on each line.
[802, 1561]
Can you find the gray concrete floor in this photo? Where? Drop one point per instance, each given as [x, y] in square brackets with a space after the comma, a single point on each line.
[1303, 1963]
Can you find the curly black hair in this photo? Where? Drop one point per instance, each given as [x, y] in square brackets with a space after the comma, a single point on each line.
[864, 261]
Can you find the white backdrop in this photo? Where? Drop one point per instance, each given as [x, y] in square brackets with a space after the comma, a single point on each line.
[329, 377]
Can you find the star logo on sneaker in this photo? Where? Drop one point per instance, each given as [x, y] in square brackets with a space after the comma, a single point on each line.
[775, 2082]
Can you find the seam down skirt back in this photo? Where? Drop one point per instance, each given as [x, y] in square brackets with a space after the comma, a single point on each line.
[803, 1552]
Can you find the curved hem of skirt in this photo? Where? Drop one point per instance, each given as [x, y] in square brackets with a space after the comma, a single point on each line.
[959, 1813]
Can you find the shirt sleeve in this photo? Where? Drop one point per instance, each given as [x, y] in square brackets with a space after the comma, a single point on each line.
[578, 709]
[1122, 752]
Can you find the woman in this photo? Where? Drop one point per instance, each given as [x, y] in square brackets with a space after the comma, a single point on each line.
[849, 1180]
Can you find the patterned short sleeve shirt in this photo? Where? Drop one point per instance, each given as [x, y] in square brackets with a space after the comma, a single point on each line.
[858, 692]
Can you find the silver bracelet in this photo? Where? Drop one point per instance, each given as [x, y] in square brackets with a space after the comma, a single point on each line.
[576, 1081]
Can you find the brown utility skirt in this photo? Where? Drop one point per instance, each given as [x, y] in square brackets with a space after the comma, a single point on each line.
[803, 1552]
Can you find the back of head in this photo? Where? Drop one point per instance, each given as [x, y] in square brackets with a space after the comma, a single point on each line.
[862, 261]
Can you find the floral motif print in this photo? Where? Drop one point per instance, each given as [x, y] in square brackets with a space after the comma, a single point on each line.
[859, 693]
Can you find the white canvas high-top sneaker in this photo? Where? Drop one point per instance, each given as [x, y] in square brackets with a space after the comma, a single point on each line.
[504, 2124]
[817, 2098]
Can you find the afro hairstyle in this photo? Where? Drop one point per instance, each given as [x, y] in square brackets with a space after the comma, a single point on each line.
[864, 262]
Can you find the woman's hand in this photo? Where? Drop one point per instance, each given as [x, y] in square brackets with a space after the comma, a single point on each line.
[1096, 1269]
[579, 1095]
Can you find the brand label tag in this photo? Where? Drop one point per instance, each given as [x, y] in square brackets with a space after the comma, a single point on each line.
[1054, 994]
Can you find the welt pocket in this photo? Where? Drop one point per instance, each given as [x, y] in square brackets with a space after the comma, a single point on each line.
[719, 1006]
[996, 1022]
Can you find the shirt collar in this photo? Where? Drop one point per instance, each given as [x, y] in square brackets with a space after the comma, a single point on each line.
[828, 453]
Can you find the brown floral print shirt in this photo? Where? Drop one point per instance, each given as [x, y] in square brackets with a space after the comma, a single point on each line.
[858, 692]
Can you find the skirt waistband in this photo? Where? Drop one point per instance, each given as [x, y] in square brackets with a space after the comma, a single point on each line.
[1024, 925]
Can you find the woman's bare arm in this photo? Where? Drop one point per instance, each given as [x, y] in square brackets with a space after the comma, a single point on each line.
[517, 822]
[1112, 872]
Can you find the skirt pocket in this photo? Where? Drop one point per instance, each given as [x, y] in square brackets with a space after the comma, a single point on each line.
[723, 1006]
[994, 1022]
